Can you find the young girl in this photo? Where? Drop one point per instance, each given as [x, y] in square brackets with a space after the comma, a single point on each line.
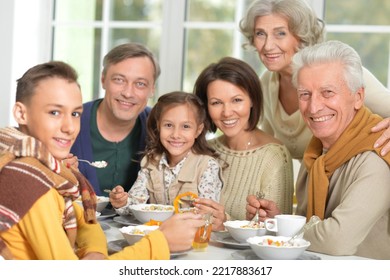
[177, 158]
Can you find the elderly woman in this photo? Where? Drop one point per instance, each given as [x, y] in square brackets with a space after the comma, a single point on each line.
[277, 29]
[255, 162]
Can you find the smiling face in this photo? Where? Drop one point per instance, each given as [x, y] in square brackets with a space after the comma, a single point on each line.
[178, 130]
[229, 107]
[128, 86]
[274, 42]
[325, 101]
[52, 115]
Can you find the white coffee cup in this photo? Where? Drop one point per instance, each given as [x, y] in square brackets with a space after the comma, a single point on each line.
[285, 225]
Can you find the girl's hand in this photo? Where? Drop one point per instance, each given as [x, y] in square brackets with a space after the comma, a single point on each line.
[205, 205]
[383, 140]
[118, 197]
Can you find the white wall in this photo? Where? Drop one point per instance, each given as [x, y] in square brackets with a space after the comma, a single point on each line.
[6, 33]
[25, 29]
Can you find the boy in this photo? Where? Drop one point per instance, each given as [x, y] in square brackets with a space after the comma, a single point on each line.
[38, 219]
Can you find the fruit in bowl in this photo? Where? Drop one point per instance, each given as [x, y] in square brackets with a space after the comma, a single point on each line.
[146, 212]
[277, 247]
[241, 230]
[133, 234]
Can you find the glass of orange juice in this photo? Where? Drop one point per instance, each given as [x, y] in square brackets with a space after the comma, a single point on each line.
[202, 235]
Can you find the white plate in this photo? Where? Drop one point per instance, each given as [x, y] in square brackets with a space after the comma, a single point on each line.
[117, 245]
[106, 213]
[181, 253]
[127, 220]
[248, 254]
[225, 238]
[105, 226]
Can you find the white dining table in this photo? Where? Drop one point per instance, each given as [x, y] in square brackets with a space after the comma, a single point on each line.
[215, 251]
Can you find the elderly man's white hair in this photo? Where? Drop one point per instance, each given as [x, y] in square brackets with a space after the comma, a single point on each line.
[328, 52]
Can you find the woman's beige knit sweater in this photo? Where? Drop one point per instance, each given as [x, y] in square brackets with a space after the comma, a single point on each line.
[267, 169]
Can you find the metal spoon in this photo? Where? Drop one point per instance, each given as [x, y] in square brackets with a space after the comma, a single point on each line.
[141, 199]
[312, 221]
[256, 220]
[97, 164]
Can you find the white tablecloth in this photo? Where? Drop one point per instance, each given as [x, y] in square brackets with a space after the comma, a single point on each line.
[215, 250]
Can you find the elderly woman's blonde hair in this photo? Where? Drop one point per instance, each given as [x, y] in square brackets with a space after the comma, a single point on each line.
[302, 20]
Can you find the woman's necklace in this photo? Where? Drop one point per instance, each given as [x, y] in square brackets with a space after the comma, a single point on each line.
[238, 147]
[249, 143]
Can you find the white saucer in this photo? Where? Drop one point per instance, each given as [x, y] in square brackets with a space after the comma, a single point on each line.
[225, 238]
[105, 214]
[105, 226]
[127, 220]
[176, 254]
[117, 245]
[249, 254]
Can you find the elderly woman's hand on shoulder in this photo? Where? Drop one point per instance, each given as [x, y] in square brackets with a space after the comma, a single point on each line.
[383, 140]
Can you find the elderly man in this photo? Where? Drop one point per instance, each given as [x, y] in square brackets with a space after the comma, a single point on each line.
[113, 129]
[343, 180]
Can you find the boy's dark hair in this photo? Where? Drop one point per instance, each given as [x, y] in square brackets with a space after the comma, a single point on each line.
[27, 84]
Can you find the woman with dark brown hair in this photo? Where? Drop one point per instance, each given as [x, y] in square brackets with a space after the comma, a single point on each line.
[256, 161]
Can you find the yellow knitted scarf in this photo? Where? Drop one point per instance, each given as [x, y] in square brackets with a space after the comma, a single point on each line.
[356, 139]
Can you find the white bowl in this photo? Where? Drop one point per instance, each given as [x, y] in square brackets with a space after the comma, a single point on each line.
[241, 233]
[265, 251]
[101, 202]
[146, 212]
[133, 234]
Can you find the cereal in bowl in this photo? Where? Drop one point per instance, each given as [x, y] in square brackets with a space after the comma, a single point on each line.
[157, 208]
[254, 226]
